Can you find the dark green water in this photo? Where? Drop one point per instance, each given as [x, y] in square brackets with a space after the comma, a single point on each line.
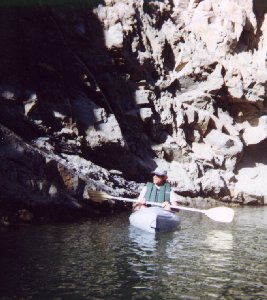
[108, 259]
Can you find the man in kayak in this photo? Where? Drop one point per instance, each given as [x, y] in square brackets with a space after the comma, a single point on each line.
[158, 191]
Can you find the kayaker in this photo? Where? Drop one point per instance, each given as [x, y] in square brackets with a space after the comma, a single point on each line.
[158, 191]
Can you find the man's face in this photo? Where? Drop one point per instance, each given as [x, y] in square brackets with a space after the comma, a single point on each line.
[159, 180]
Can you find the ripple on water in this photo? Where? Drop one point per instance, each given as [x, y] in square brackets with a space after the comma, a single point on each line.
[108, 259]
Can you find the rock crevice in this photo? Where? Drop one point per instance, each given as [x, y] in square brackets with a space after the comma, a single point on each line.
[130, 85]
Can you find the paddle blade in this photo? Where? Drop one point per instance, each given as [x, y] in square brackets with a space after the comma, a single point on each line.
[220, 214]
[98, 196]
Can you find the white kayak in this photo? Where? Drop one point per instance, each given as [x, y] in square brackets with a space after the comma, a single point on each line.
[155, 219]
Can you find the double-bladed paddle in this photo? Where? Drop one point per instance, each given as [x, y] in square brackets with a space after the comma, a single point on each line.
[219, 214]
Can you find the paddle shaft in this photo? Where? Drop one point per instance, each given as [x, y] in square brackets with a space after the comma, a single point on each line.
[219, 214]
[159, 204]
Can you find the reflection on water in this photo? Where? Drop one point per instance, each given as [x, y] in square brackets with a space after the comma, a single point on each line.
[109, 259]
[143, 241]
[219, 241]
[218, 252]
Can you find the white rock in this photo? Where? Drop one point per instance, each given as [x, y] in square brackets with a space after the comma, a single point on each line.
[212, 182]
[143, 96]
[29, 106]
[252, 181]
[254, 135]
[202, 151]
[180, 174]
[223, 144]
[114, 36]
[145, 113]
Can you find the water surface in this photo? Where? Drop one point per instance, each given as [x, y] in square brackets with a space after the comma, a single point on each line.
[109, 259]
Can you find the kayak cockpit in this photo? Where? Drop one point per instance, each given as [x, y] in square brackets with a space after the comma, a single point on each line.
[155, 219]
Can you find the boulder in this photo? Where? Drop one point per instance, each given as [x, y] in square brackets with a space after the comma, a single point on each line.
[251, 184]
[213, 184]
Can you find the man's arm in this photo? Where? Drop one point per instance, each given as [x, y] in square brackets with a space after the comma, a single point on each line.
[141, 199]
[174, 198]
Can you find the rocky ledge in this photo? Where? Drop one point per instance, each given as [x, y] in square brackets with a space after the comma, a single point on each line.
[97, 95]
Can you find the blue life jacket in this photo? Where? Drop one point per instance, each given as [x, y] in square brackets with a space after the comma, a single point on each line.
[160, 195]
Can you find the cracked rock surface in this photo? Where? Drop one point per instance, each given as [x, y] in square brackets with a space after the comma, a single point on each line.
[96, 97]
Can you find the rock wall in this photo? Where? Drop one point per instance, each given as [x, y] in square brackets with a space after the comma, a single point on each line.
[125, 86]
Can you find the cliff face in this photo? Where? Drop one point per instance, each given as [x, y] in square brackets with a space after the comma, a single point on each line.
[103, 95]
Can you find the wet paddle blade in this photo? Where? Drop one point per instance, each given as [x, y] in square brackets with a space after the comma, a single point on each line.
[220, 214]
[99, 196]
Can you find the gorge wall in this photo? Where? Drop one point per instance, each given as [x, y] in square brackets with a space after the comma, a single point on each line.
[96, 96]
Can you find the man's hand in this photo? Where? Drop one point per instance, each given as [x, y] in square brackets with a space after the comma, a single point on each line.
[139, 205]
[166, 205]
